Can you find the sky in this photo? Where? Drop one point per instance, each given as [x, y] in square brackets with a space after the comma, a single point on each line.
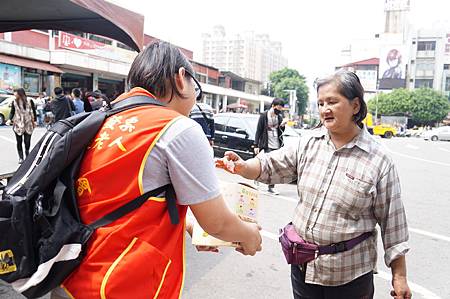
[312, 32]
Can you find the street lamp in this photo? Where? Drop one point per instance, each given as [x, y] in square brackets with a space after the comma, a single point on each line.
[292, 100]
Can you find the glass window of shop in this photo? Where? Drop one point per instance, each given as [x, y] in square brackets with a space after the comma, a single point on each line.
[31, 82]
[10, 77]
[111, 88]
[70, 81]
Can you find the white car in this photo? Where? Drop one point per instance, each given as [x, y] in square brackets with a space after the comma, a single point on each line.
[442, 133]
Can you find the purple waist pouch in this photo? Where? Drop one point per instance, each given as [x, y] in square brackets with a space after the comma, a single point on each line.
[296, 250]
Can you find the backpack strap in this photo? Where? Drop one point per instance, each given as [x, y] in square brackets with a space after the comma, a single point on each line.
[132, 102]
[138, 202]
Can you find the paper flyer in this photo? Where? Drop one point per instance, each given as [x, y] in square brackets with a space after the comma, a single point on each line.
[240, 198]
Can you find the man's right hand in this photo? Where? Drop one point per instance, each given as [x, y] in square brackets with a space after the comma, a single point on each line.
[256, 150]
[253, 244]
[8, 122]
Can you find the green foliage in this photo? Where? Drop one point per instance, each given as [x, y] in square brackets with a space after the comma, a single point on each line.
[425, 106]
[285, 79]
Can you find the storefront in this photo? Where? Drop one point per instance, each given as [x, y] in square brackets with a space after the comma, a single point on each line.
[33, 76]
[111, 88]
[70, 81]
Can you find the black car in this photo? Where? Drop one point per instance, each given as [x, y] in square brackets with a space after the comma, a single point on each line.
[235, 132]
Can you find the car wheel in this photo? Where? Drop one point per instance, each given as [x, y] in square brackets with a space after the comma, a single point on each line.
[2, 120]
[434, 138]
[388, 134]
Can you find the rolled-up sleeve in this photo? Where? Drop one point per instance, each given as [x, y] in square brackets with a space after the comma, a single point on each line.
[391, 216]
[279, 166]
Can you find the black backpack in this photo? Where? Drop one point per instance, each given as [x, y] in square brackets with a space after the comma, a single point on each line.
[42, 236]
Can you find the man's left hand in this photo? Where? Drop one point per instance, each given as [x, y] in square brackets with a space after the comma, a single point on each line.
[401, 288]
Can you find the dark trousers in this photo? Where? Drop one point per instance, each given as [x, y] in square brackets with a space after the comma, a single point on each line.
[26, 139]
[360, 288]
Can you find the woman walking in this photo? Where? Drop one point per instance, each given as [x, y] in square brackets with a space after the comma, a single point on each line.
[23, 117]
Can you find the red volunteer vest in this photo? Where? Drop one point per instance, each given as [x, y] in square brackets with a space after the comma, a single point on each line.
[140, 255]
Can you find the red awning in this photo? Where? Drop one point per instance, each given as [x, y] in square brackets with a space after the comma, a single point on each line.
[34, 64]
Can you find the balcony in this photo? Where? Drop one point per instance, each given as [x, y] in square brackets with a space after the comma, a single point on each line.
[426, 54]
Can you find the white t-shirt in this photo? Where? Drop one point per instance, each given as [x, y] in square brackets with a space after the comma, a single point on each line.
[183, 157]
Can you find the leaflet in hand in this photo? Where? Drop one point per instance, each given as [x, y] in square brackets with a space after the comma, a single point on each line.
[241, 199]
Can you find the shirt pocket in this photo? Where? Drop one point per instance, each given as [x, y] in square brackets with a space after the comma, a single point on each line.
[355, 195]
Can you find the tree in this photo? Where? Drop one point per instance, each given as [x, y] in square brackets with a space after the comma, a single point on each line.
[425, 106]
[398, 101]
[428, 106]
[285, 79]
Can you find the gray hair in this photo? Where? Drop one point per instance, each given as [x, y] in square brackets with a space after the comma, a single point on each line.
[350, 87]
[156, 65]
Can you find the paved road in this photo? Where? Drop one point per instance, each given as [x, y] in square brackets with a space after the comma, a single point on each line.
[424, 169]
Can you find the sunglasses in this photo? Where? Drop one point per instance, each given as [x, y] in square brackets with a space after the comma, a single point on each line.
[197, 88]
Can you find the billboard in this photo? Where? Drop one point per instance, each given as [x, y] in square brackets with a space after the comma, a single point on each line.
[392, 70]
[10, 77]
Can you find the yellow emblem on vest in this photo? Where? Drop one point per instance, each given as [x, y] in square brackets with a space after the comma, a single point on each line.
[83, 184]
[7, 264]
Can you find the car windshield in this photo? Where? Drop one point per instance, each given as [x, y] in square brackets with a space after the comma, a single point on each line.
[251, 123]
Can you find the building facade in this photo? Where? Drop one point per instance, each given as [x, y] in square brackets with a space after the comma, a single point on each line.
[248, 55]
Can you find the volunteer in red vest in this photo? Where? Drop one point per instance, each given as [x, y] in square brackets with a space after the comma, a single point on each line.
[141, 255]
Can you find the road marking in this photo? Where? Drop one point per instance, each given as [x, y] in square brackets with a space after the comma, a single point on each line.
[411, 146]
[428, 234]
[416, 158]
[415, 288]
[444, 149]
[8, 139]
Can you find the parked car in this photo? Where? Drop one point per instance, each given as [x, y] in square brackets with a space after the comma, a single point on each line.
[442, 133]
[5, 109]
[4, 94]
[236, 132]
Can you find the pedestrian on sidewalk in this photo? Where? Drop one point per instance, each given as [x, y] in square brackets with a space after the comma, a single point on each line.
[269, 132]
[78, 103]
[61, 106]
[347, 184]
[24, 119]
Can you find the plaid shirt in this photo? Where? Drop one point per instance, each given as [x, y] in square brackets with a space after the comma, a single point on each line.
[342, 194]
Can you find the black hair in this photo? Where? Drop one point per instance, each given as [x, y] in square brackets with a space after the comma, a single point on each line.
[277, 101]
[76, 92]
[157, 65]
[58, 91]
[349, 86]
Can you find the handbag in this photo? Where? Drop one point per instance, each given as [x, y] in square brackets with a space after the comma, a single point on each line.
[298, 251]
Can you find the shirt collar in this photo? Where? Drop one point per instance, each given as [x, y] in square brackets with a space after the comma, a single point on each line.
[363, 140]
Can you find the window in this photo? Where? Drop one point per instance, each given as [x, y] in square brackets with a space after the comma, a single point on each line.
[412, 61]
[100, 39]
[220, 123]
[423, 83]
[446, 66]
[31, 82]
[426, 46]
[235, 124]
[447, 84]
[425, 66]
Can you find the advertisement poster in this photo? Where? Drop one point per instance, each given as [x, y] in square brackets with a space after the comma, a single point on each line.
[392, 71]
[10, 77]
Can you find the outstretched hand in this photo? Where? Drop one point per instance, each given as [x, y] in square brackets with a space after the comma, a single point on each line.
[231, 162]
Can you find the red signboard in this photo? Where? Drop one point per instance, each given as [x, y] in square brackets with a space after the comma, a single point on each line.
[67, 40]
